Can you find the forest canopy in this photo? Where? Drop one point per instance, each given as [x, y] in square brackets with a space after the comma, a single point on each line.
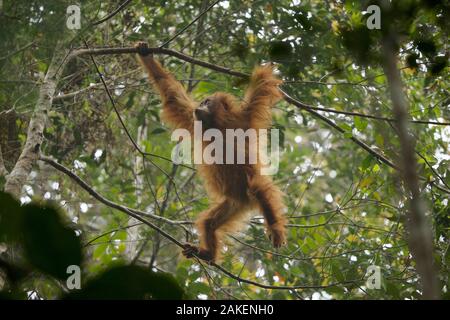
[87, 174]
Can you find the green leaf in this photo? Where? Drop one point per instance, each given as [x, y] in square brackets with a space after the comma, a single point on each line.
[158, 131]
[366, 162]
[346, 127]
[130, 282]
[49, 245]
[360, 123]
[198, 288]
[348, 135]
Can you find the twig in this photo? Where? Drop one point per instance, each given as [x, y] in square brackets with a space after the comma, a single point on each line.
[433, 170]
[330, 256]
[111, 231]
[362, 144]
[105, 201]
[363, 115]
[109, 203]
[301, 105]
[157, 50]
[190, 24]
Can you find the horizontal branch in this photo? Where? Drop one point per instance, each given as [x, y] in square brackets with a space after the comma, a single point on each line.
[289, 99]
[106, 201]
[112, 14]
[331, 123]
[157, 50]
[363, 115]
[295, 287]
[308, 258]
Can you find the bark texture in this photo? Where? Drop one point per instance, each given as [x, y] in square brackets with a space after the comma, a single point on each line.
[30, 152]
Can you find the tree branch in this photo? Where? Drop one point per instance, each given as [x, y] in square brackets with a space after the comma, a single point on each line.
[289, 99]
[211, 66]
[420, 238]
[363, 115]
[138, 216]
[331, 123]
[157, 50]
[105, 201]
[190, 23]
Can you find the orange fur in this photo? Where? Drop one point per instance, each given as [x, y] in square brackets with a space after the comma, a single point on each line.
[235, 189]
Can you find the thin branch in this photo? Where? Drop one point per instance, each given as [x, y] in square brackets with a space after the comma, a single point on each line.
[17, 51]
[105, 201]
[96, 195]
[92, 86]
[132, 213]
[289, 99]
[157, 50]
[433, 170]
[295, 287]
[362, 115]
[330, 256]
[329, 83]
[190, 24]
[123, 123]
[330, 123]
[77, 92]
[111, 231]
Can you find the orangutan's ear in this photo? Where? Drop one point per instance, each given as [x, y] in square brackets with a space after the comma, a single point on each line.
[226, 106]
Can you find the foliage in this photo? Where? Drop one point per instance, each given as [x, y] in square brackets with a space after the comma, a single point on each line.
[47, 247]
[346, 209]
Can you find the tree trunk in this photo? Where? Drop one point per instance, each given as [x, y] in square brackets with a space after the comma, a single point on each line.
[133, 233]
[30, 153]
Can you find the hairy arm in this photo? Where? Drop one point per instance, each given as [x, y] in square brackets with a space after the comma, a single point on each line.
[177, 104]
[260, 96]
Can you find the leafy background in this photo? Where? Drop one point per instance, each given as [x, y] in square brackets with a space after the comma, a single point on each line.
[346, 209]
